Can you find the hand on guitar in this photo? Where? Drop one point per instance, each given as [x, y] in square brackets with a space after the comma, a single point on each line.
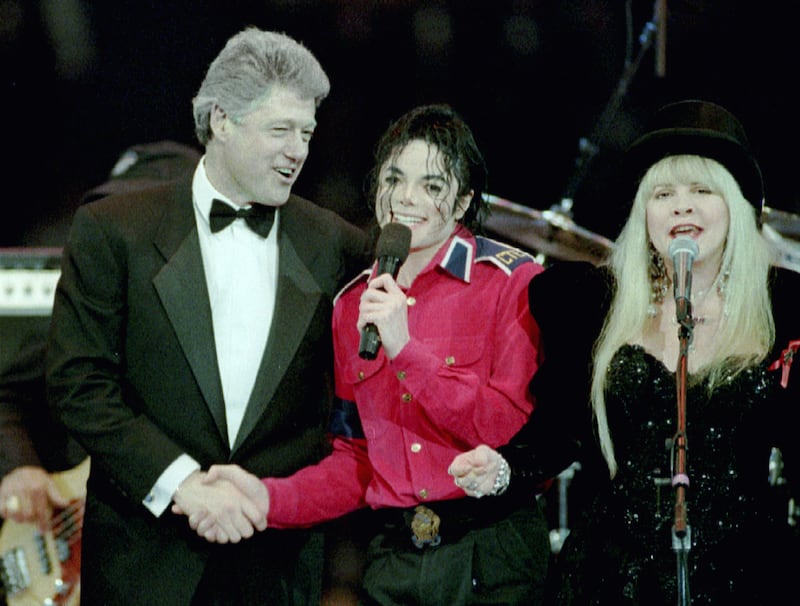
[221, 510]
[29, 496]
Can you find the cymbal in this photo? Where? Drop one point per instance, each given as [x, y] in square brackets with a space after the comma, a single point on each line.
[785, 223]
[785, 250]
[549, 233]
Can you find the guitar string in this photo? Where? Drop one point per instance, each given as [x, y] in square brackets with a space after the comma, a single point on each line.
[66, 514]
[65, 521]
[71, 533]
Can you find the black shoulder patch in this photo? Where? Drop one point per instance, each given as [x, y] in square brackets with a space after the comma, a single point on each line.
[505, 256]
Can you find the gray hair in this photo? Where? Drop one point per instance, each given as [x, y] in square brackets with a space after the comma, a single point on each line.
[245, 71]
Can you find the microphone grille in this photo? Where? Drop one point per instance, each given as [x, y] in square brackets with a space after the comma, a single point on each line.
[394, 241]
[683, 245]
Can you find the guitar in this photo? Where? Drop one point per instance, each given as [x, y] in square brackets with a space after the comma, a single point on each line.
[44, 568]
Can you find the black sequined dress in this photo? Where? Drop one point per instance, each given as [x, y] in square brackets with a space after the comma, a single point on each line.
[620, 547]
[627, 538]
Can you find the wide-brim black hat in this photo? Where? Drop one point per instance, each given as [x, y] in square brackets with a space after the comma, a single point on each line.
[704, 129]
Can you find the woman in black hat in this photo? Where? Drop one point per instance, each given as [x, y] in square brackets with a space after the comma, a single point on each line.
[661, 514]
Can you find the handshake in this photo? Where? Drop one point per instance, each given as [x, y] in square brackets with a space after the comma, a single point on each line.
[224, 505]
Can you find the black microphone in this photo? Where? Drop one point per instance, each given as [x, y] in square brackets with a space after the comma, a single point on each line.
[392, 249]
[683, 251]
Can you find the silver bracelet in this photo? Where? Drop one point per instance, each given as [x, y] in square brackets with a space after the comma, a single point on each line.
[502, 480]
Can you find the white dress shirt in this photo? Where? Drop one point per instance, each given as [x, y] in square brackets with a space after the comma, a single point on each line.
[241, 270]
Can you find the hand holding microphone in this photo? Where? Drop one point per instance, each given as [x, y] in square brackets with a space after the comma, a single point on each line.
[391, 250]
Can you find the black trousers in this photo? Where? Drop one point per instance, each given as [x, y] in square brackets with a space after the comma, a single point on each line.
[502, 560]
[281, 571]
[219, 586]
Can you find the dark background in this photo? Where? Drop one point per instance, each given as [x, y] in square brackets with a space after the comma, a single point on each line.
[83, 80]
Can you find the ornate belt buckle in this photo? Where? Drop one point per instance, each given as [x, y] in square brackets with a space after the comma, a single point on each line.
[425, 526]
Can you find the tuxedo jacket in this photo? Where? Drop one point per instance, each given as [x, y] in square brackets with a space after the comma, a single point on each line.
[132, 372]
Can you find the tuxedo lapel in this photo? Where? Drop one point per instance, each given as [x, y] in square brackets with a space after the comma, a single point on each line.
[181, 286]
[297, 298]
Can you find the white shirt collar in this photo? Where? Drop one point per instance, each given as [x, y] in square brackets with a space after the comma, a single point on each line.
[204, 193]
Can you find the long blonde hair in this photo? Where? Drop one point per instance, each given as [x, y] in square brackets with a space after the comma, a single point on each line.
[748, 329]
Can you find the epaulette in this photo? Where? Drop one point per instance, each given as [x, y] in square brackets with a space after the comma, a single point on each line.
[506, 257]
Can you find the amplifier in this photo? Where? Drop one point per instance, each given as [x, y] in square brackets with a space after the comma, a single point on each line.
[28, 278]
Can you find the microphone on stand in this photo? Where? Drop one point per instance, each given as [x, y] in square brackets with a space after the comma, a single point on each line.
[391, 250]
[683, 252]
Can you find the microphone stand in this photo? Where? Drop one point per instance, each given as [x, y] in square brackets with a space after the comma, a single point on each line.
[588, 147]
[681, 531]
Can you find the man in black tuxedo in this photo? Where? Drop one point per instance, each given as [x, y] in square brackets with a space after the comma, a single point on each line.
[184, 334]
[33, 445]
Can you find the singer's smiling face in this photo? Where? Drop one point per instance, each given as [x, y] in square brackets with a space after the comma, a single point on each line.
[415, 189]
[691, 210]
[257, 158]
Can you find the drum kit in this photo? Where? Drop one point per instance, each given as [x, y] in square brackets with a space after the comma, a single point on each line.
[553, 235]
[781, 229]
[544, 233]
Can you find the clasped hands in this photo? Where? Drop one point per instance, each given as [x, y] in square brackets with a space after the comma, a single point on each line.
[224, 505]
[475, 471]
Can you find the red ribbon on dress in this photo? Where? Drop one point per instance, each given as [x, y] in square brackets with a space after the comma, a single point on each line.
[785, 361]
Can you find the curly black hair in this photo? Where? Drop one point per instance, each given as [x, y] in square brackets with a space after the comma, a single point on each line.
[439, 125]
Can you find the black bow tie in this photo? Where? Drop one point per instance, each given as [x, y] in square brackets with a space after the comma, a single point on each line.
[259, 217]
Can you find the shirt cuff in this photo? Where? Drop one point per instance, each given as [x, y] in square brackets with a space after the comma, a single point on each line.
[160, 495]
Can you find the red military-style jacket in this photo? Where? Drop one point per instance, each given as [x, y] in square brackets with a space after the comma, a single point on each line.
[462, 380]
